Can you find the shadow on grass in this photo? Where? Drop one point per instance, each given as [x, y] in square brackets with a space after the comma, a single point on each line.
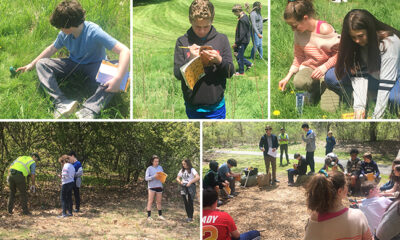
[137, 3]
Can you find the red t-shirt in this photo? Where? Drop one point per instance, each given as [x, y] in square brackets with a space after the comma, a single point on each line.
[217, 225]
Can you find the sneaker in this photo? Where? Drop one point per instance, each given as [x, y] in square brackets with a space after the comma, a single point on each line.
[238, 74]
[85, 113]
[230, 196]
[76, 210]
[63, 216]
[189, 220]
[248, 67]
[329, 100]
[65, 108]
[149, 219]
[26, 213]
[276, 180]
[161, 217]
[290, 184]
[220, 203]
[69, 215]
[234, 194]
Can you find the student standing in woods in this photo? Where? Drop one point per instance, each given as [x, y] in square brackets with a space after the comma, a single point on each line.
[18, 173]
[187, 178]
[206, 100]
[155, 186]
[77, 179]
[86, 43]
[67, 181]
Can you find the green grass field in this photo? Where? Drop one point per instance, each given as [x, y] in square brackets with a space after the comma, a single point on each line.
[25, 32]
[282, 52]
[157, 93]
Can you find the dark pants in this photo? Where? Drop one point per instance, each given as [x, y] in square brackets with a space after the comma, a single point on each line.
[231, 181]
[291, 173]
[250, 235]
[77, 197]
[310, 160]
[328, 150]
[284, 148]
[270, 160]
[66, 197]
[52, 69]
[18, 181]
[188, 201]
[241, 59]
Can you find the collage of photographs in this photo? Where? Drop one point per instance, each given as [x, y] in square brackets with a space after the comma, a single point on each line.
[200, 119]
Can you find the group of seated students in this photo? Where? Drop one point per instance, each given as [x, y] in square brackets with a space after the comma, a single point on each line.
[377, 218]
[222, 178]
[357, 171]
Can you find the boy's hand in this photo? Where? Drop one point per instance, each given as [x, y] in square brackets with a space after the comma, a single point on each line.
[212, 55]
[194, 50]
[112, 85]
[25, 68]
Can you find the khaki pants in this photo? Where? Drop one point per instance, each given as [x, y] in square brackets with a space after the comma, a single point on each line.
[270, 160]
[17, 181]
[303, 81]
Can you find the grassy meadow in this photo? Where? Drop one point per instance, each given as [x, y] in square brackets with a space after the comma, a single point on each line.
[156, 92]
[282, 52]
[25, 31]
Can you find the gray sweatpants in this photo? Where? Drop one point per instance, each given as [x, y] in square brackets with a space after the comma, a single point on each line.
[52, 69]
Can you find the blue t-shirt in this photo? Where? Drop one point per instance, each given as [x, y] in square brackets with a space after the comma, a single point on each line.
[89, 47]
[223, 170]
[77, 165]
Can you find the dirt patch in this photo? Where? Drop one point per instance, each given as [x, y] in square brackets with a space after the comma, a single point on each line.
[106, 213]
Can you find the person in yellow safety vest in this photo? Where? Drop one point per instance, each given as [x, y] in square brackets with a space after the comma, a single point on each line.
[17, 177]
[283, 139]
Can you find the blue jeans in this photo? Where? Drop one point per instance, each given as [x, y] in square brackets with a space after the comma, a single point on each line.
[387, 186]
[291, 173]
[217, 114]
[249, 235]
[373, 84]
[241, 59]
[257, 45]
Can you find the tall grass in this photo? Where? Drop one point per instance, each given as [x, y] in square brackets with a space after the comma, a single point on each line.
[25, 31]
[282, 51]
[157, 93]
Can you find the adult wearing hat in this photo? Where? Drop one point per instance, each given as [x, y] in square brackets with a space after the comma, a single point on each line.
[269, 144]
[226, 174]
[18, 172]
[283, 139]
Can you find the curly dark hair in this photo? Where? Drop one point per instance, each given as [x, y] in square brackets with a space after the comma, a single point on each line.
[68, 13]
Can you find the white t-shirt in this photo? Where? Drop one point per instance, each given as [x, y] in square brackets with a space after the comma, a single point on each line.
[373, 209]
[186, 177]
[68, 173]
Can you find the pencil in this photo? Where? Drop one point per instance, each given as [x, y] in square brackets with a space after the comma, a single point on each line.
[183, 47]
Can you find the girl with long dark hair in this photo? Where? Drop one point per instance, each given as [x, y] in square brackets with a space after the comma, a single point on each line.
[187, 178]
[368, 60]
[257, 30]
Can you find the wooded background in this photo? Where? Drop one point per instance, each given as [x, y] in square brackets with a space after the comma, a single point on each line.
[108, 151]
[230, 134]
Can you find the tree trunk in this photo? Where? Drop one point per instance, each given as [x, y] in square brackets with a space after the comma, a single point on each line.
[372, 131]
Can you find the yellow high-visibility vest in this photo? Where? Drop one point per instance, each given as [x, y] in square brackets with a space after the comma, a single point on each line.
[283, 137]
[23, 165]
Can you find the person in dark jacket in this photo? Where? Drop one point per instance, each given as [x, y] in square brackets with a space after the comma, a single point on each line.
[298, 169]
[369, 166]
[242, 38]
[269, 144]
[330, 143]
[206, 100]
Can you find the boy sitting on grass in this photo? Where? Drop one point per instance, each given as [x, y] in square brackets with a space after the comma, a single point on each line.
[86, 43]
[206, 100]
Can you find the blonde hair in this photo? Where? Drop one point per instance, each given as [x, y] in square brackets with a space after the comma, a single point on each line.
[201, 9]
[63, 159]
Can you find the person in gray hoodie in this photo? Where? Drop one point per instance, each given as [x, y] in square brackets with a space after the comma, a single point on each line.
[257, 30]
[155, 186]
[309, 139]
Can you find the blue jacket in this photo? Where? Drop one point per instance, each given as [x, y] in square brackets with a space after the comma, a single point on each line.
[330, 143]
[371, 167]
